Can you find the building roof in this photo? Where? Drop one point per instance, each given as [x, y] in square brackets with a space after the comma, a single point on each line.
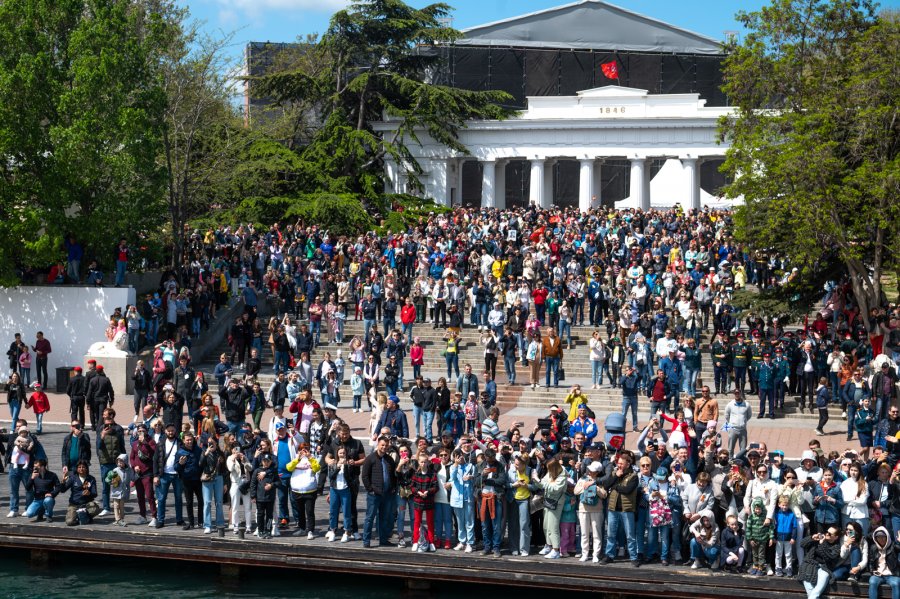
[590, 24]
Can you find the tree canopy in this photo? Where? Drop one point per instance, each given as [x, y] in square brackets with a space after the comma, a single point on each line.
[378, 57]
[814, 140]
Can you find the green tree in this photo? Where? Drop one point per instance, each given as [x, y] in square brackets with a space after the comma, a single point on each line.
[378, 55]
[80, 109]
[814, 138]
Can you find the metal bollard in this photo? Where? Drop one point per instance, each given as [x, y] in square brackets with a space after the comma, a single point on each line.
[221, 532]
[242, 530]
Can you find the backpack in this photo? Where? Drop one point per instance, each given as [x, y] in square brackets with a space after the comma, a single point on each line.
[589, 495]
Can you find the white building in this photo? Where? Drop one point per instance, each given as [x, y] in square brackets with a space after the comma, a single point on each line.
[594, 126]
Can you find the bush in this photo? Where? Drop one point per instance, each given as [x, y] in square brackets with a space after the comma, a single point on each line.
[339, 214]
[404, 211]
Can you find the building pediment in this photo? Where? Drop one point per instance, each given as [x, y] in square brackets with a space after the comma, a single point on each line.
[612, 91]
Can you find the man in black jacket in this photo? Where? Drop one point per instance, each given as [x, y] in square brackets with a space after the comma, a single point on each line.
[75, 448]
[233, 400]
[165, 475]
[356, 455]
[100, 394]
[110, 445]
[183, 379]
[77, 392]
[429, 407]
[379, 478]
[44, 487]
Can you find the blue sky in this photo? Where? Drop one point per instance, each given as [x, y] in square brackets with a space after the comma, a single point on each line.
[285, 20]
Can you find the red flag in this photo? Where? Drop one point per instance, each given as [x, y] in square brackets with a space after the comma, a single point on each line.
[610, 69]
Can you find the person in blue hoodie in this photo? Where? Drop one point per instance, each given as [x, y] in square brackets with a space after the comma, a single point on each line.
[785, 537]
[187, 465]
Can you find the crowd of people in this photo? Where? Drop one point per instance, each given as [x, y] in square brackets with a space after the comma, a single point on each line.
[659, 285]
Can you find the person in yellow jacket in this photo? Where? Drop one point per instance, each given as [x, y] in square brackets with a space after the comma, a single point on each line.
[574, 399]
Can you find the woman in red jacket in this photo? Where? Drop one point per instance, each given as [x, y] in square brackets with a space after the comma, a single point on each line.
[423, 487]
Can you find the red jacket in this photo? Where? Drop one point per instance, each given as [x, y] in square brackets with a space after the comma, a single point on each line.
[539, 296]
[38, 402]
[408, 314]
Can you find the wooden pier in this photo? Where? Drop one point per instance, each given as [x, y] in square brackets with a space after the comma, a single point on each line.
[419, 570]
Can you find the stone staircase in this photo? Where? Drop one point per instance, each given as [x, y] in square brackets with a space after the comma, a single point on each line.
[520, 395]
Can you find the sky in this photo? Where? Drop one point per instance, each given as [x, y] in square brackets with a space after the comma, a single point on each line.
[286, 20]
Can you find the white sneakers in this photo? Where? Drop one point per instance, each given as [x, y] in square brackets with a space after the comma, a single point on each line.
[152, 523]
[459, 547]
[595, 560]
[469, 549]
[103, 513]
[552, 555]
[12, 514]
[583, 558]
[695, 565]
[547, 549]
[329, 536]
[311, 535]
[431, 548]
[345, 537]
[207, 530]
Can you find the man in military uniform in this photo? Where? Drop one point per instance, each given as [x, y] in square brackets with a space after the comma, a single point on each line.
[740, 359]
[782, 371]
[765, 378]
[757, 349]
[720, 354]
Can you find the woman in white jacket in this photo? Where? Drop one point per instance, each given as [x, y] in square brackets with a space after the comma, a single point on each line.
[855, 493]
[304, 489]
[597, 357]
[240, 471]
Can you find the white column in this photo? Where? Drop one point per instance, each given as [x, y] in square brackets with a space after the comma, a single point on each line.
[585, 183]
[488, 185]
[597, 175]
[459, 180]
[640, 184]
[692, 178]
[390, 176]
[500, 185]
[536, 187]
[548, 184]
[440, 181]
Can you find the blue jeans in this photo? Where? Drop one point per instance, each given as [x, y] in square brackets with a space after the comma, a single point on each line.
[417, 418]
[596, 372]
[368, 323]
[407, 330]
[162, 490]
[690, 381]
[815, 591]
[698, 552]
[25, 375]
[509, 365]
[404, 513]
[315, 327]
[17, 477]
[443, 523]
[41, 507]
[104, 470]
[492, 528]
[659, 535]
[152, 330]
[381, 508]
[565, 331]
[213, 490]
[843, 571]
[520, 340]
[14, 408]
[630, 402]
[388, 324]
[339, 502]
[465, 522]
[133, 336]
[429, 424]
[614, 521]
[120, 272]
[552, 366]
[876, 581]
[452, 360]
[641, 520]
[281, 360]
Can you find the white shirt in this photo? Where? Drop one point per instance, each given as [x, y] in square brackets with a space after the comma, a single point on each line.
[171, 448]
